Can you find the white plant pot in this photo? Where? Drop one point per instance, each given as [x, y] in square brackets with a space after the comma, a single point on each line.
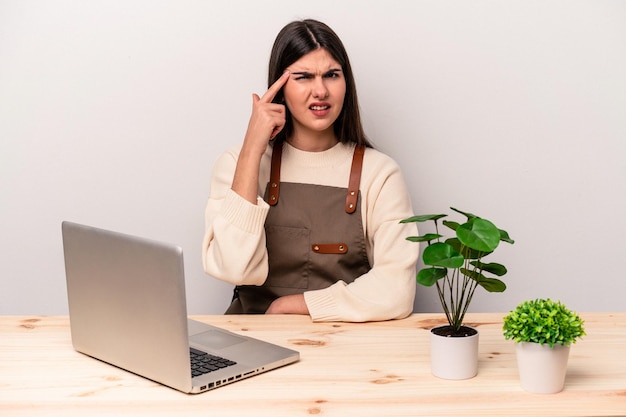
[454, 357]
[541, 368]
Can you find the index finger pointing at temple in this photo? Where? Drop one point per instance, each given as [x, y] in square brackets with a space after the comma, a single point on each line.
[275, 88]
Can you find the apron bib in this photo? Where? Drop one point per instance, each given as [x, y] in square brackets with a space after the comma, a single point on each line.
[314, 237]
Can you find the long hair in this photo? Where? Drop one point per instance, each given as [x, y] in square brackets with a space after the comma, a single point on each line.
[299, 38]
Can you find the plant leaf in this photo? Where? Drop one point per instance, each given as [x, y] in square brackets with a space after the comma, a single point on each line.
[468, 253]
[504, 236]
[490, 284]
[428, 276]
[423, 218]
[468, 215]
[479, 234]
[442, 254]
[452, 225]
[425, 238]
[476, 276]
[494, 268]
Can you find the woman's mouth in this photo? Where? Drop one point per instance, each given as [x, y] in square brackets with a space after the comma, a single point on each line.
[320, 109]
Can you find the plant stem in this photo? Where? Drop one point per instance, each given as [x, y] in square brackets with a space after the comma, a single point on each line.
[442, 299]
[472, 287]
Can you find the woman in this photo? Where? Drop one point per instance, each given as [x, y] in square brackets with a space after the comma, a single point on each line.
[303, 216]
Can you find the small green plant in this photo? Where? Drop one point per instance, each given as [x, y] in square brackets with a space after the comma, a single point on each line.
[455, 265]
[543, 321]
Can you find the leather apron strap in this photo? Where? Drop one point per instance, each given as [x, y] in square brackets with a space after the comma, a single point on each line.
[274, 186]
[355, 179]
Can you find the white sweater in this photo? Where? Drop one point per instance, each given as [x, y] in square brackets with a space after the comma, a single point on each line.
[234, 242]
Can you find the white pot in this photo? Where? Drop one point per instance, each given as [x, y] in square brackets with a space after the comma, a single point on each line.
[541, 368]
[454, 357]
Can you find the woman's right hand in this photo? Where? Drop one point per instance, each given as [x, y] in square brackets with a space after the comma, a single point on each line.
[267, 118]
[266, 121]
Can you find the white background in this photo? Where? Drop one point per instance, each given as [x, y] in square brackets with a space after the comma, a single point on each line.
[113, 112]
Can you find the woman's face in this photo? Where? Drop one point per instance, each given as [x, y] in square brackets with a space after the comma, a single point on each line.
[315, 92]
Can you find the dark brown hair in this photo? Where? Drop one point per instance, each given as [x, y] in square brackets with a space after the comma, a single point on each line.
[299, 38]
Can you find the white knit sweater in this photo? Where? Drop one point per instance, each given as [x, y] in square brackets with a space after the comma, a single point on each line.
[234, 243]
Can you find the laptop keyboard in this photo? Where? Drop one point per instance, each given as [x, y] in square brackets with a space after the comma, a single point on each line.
[203, 363]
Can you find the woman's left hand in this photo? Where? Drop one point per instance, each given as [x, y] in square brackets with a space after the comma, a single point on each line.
[289, 304]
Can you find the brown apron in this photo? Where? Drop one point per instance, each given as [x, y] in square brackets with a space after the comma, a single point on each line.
[314, 237]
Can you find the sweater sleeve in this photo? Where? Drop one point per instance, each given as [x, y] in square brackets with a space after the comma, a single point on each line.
[387, 291]
[233, 248]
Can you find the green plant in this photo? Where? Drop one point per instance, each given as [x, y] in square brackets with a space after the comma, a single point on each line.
[455, 265]
[543, 321]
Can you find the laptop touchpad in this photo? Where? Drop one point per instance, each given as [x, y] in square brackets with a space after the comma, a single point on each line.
[216, 340]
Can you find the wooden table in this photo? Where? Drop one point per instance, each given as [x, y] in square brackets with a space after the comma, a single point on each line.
[346, 369]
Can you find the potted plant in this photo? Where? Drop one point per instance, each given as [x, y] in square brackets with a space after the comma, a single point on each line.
[455, 266]
[543, 331]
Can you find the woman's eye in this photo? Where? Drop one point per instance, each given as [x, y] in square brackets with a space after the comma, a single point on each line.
[330, 74]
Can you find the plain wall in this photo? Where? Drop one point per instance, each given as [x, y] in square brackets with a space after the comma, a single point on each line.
[113, 112]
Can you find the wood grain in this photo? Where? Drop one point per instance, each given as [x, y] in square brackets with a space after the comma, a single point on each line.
[346, 369]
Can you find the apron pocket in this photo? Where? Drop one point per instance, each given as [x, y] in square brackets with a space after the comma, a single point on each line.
[288, 250]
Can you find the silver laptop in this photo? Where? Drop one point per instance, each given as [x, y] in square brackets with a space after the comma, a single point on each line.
[128, 308]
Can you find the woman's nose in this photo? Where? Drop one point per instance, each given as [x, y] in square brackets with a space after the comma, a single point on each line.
[319, 88]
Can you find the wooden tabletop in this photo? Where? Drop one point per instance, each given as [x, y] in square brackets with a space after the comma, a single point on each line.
[346, 369]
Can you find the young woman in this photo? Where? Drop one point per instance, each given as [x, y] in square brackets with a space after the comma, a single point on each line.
[303, 217]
